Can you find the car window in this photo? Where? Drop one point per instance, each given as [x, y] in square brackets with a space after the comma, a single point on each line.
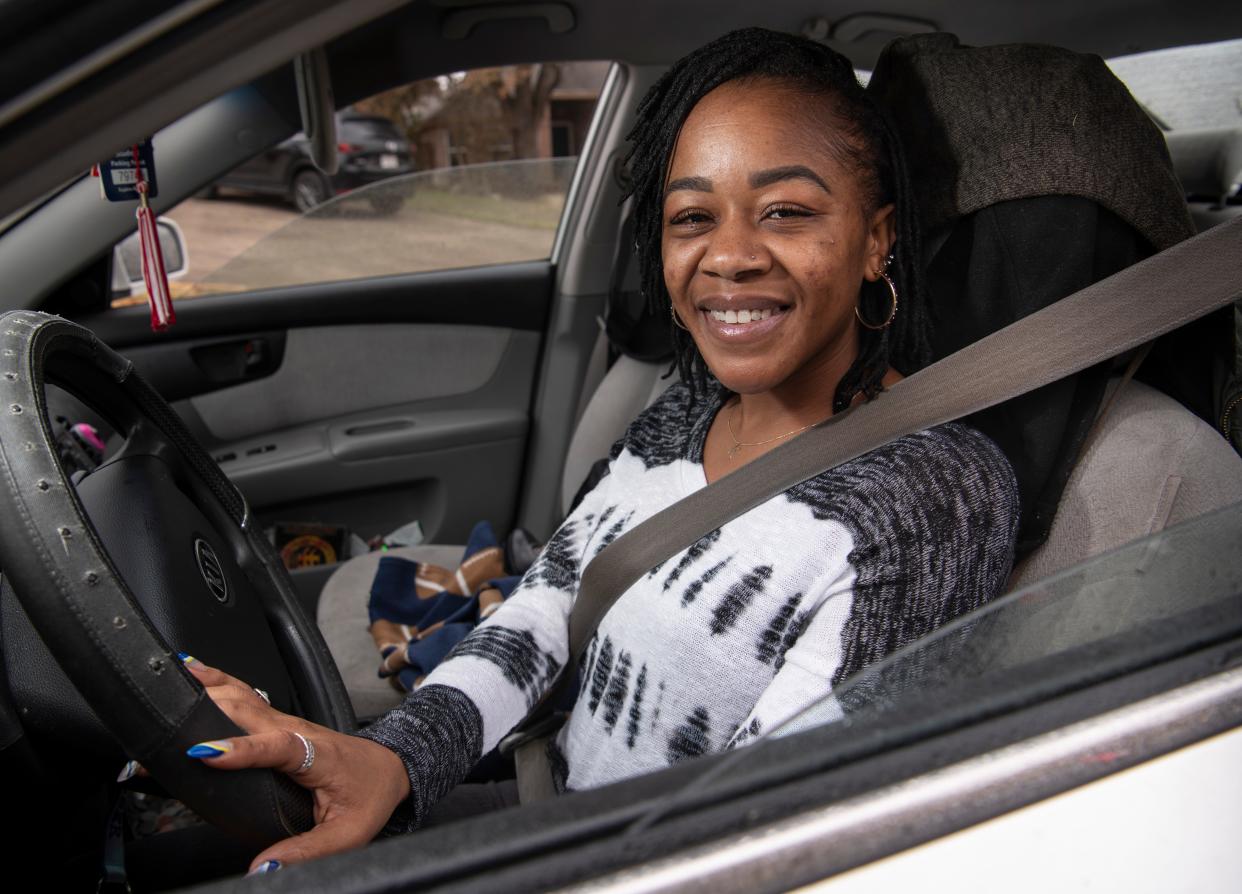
[1134, 607]
[1187, 87]
[368, 129]
[1127, 608]
[468, 169]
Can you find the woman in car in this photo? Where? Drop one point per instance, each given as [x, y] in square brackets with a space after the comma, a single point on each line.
[774, 224]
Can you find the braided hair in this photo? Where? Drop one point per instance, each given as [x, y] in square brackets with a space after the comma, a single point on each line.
[865, 142]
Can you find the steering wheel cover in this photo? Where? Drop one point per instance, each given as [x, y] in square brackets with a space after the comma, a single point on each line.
[84, 611]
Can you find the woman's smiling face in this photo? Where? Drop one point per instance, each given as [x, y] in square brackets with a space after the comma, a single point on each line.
[767, 237]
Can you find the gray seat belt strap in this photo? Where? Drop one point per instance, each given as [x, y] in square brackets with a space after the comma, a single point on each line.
[1131, 307]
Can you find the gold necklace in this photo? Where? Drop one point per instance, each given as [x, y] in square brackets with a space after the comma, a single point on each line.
[738, 445]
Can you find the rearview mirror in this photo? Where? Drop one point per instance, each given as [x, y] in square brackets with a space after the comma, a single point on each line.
[127, 258]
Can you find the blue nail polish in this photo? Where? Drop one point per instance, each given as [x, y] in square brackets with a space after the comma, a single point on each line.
[127, 772]
[185, 657]
[264, 867]
[208, 749]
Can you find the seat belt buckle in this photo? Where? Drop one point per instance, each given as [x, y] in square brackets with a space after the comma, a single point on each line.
[544, 726]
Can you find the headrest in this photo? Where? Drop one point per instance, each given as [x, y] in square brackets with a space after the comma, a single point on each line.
[632, 328]
[1208, 162]
[984, 125]
[1036, 174]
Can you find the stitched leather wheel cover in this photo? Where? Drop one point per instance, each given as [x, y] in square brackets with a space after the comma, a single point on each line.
[83, 610]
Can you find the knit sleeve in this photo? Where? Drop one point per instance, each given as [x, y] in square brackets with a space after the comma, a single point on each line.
[492, 678]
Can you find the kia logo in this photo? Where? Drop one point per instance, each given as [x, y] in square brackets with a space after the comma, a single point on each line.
[212, 571]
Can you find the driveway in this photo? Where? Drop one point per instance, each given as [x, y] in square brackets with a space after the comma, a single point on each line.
[238, 244]
[218, 230]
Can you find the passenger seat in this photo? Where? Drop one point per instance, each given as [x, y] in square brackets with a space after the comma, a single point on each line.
[629, 387]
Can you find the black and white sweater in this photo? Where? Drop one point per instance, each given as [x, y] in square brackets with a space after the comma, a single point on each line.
[738, 633]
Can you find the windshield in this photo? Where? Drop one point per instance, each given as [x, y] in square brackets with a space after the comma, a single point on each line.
[1128, 609]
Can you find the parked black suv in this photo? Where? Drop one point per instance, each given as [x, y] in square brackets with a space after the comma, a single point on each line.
[370, 148]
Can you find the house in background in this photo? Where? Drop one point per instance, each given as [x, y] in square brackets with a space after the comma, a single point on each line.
[572, 103]
[495, 114]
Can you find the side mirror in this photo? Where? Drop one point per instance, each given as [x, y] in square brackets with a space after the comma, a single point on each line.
[127, 258]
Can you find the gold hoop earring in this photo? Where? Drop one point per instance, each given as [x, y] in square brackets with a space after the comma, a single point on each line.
[676, 319]
[892, 314]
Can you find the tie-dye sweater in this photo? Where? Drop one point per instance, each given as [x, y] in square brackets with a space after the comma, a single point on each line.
[735, 635]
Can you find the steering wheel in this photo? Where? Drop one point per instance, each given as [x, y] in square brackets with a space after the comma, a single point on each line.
[152, 553]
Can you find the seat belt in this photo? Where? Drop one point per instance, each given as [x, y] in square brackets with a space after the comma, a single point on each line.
[1107, 318]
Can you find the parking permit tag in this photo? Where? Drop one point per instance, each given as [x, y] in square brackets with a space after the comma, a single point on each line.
[119, 176]
[154, 274]
[125, 177]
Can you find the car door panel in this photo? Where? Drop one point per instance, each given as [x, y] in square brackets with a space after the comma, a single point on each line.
[332, 370]
[373, 402]
[331, 436]
[187, 367]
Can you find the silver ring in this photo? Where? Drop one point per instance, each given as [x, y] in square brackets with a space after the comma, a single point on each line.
[262, 693]
[309, 760]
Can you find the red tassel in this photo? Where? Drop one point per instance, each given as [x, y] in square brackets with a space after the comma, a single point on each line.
[154, 273]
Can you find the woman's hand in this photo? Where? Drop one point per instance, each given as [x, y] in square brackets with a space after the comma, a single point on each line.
[356, 783]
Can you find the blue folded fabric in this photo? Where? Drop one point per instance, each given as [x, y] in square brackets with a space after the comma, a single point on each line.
[481, 537]
[506, 585]
[394, 598]
[424, 654]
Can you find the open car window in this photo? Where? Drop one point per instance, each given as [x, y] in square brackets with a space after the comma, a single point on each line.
[468, 216]
[466, 169]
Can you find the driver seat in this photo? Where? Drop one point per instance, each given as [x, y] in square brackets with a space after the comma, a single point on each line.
[1150, 464]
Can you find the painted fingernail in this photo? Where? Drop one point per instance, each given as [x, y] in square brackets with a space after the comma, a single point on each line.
[265, 866]
[209, 749]
[185, 657]
[127, 772]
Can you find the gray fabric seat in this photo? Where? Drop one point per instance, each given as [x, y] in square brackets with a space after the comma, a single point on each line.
[1151, 464]
[343, 620]
[628, 388]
